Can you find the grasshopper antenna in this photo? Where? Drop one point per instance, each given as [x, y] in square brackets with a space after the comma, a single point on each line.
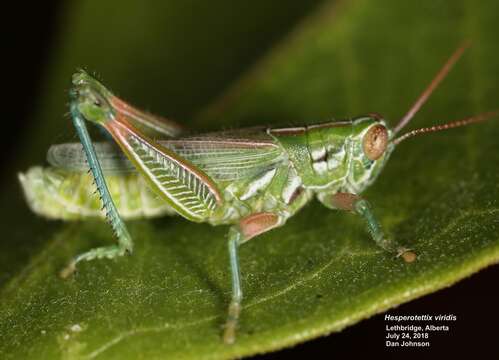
[433, 85]
[450, 125]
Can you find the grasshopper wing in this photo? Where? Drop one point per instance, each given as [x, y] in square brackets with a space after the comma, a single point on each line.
[71, 157]
[224, 156]
[185, 187]
[185, 170]
[231, 155]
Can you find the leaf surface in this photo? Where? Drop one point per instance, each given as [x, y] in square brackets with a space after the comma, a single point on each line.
[319, 273]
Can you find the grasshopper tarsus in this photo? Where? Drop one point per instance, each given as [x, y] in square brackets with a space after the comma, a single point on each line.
[230, 327]
[68, 271]
[408, 256]
[229, 335]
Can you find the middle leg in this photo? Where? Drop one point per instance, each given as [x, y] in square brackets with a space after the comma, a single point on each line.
[248, 228]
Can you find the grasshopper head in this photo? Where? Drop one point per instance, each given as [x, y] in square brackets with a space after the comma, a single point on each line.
[90, 98]
[373, 143]
[371, 148]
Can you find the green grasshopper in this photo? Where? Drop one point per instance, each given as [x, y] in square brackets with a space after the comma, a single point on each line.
[251, 179]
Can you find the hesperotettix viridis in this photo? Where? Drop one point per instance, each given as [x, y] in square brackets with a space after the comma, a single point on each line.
[252, 179]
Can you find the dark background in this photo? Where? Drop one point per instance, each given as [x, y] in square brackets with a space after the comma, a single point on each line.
[475, 331]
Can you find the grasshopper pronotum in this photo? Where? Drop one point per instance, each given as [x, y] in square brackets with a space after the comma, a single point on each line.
[251, 179]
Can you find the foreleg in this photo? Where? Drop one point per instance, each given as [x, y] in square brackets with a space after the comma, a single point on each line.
[360, 206]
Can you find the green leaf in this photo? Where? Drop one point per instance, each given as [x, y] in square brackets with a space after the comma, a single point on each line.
[320, 272]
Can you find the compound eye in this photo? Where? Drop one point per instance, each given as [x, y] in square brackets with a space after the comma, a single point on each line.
[375, 142]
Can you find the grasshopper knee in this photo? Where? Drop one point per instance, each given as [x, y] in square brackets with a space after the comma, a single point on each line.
[257, 224]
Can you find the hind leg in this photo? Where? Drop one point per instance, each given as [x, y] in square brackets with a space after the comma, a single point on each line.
[125, 244]
[196, 193]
